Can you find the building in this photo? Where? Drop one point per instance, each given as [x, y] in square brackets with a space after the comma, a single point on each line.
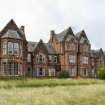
[64, 51]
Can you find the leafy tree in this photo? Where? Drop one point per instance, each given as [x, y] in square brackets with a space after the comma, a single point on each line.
[101, 73]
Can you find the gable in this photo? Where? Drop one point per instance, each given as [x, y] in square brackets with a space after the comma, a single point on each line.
[62, 36]
[84, 40]
[41, 48]
[11, 34]
[70, 38]
[10, 29]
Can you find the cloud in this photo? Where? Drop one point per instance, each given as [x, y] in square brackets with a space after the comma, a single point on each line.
[41, 16]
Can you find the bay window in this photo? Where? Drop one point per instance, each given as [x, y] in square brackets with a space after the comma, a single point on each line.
[13, 48]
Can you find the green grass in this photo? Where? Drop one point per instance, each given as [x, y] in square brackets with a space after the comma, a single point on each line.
[52, 92]
[47, 82]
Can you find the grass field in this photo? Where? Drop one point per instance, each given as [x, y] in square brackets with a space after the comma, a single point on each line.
[52, 92]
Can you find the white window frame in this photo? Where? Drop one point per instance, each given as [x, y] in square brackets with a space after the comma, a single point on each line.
[4, 48]
[85, 60]
[72, 59]
[10, 48]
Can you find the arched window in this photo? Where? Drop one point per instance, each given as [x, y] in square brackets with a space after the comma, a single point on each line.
[40, 58]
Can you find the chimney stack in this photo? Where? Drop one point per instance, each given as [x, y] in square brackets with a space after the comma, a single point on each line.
[52, 32]
[22, 28]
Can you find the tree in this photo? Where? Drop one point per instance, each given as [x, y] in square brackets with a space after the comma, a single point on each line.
[101, 73]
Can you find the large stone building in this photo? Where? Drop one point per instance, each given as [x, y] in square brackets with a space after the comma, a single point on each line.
[64, 51]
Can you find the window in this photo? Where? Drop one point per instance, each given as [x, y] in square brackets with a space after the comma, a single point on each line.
[93, 71]
[85, 48]
[50, 58]
[16, 68]
[55, 59]
[16, 48]
[10, 68]
[20, 50]
[10, 48]
[40, 72]
[72, 59]
[13, 48]
[29, 58]
[72, 72]
[85, 72]
[4, 68]
[85, 60]
[51, 72]
[12, 33]
[4, 48]
[40, 58]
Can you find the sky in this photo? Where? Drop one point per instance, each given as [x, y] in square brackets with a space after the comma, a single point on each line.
[41, 16]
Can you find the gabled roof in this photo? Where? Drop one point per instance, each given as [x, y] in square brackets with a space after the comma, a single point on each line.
[61, 36]
[12, 25]
[97, 53]
[81, 34]
[31, 46]
[93, 53]
[50, 48]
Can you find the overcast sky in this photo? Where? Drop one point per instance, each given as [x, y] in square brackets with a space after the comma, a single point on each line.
[41, 16]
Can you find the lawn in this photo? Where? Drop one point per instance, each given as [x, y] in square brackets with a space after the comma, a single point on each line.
[52, 92]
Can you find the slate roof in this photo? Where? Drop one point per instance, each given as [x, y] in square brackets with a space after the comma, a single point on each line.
[50, 48]
[81, 34]
[62, 35]
[31, 46]
[97, 53]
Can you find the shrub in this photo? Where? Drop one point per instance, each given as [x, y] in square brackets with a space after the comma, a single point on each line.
[101, 73]
[64, 74]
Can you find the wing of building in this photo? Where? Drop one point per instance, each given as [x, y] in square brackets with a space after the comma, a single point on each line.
[65, 51]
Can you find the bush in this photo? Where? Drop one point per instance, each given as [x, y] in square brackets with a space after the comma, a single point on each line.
[64, 74]
[101, 73]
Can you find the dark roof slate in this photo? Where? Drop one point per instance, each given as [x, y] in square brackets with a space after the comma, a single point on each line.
[63, 34]
[81, 34]
[31, 46]
[50, 48]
